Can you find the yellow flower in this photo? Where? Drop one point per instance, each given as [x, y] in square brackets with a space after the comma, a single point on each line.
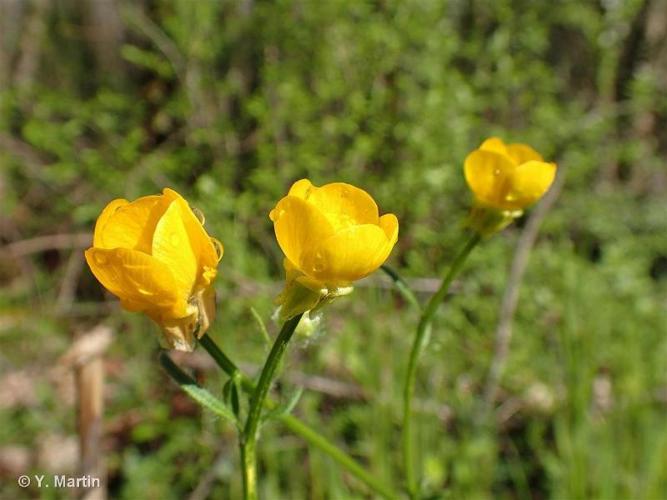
[507, 177]
[331, 236]
[154, 254]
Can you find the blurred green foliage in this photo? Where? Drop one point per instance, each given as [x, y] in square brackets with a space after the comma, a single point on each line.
[230, 102]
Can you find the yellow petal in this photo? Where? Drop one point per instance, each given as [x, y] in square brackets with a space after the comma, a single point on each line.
[180, 333]
[171, 246]
[348, 255]
[521, 153]
[102, 220]
[139, 280]
[298, 226]
[495, 145]
[301, 188]
[201, 243]
[129, 225]
[530, 181]
[343, 204]
[489, 176]
[389, 224]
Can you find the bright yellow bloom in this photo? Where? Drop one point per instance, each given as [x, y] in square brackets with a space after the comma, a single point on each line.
[507, 177]
[331, 236]
[154, 254]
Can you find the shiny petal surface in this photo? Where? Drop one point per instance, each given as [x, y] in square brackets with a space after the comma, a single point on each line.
[348, 255]
[139, 280]
[104, 217]
[202, 246]
[298, 225]
[171, 246]
[301, 188]
[494, 145]
[389, 224]
[129, 225]
[521, 153]
[530, 181]
[489, 176]
[343, 204]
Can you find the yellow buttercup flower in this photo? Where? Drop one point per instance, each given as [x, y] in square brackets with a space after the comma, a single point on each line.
[154, 254]
[331, 236]
[507, 176]
[505, 179]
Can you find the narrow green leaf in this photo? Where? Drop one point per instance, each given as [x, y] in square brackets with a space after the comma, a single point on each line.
[402, 286]
[195, 391]
[262, 326]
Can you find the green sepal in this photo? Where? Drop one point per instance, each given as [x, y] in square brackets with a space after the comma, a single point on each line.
[297, 298]
[487, 221]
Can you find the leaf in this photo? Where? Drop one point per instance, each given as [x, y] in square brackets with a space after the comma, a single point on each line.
[262, 326]
[230, 392]
[195, 391]
[402, 286]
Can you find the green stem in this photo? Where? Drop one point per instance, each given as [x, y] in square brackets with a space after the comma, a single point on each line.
[249, 438]
[266, 377]
[402, 286]
[420, 342]
[299, 428]
[248, 468]
[218, 356]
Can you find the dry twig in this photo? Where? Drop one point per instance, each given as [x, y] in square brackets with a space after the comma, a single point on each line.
[48, 242]
[511, 296]
[86, 358]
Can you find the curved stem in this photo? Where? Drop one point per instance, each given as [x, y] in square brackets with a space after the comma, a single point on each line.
[402, 286]
[218, 356]
[422, 337]
[249, 437]
[266, 377]
[310, 435]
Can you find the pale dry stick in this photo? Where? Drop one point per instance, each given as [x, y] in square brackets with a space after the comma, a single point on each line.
[105, 34]
[67, 292]
[48, 242]
[11, 21]
[185, 68]
[135, 16]
[86, 358]
[208, 479]
[510, 298]
[32, 159]
[425, 285]
[327, 386]
[32, 42]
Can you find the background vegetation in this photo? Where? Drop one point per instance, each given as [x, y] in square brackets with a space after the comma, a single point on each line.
[231, 101]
